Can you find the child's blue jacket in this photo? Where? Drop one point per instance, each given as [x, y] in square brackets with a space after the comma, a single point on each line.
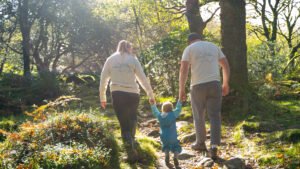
[168, 131]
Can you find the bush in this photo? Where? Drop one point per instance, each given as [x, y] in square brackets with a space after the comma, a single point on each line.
[64, 141]
[16, 92]
[290, 135]
[7, 125]
[267, 91]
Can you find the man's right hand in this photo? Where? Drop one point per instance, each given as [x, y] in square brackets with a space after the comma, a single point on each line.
[103, 105]
[182, 96]
[225, 89]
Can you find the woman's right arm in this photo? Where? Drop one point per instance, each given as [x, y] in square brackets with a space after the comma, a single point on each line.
[142, 79]
[105, 76]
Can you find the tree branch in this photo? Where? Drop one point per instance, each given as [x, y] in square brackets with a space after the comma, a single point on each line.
[212, 15]
[76, 66]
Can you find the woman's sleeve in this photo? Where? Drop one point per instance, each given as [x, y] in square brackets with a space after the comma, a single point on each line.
[105, 76]
[155, 110]
[177, 109]
[142, 79]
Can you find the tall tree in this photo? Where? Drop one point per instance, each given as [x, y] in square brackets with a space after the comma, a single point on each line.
[193, 15]
[233, 31]
[25, 27]
[194, 18]
[290, 30]
[269, 11]
[192, 11]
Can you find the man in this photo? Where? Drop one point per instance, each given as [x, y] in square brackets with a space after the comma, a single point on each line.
[204, 59]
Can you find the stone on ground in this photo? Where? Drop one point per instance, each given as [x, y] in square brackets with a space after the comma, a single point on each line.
[185, 154]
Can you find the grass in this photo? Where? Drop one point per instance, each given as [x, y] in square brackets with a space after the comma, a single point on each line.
[147, 147]
[186, 114]
[273, 128]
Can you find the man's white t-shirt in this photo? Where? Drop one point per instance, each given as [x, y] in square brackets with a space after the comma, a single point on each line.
[204, 61]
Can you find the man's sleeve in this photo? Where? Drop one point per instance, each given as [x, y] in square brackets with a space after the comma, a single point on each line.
[186, 55]
[220, 54]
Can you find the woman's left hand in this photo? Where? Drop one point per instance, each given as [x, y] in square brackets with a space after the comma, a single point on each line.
[152, 101]
[103, 105]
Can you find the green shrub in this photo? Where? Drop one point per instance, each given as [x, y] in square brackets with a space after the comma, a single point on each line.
[267, 91]
[290, 135]
[64, 141]
[7, 125]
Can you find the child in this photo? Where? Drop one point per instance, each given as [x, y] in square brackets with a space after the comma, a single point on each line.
[168, 132]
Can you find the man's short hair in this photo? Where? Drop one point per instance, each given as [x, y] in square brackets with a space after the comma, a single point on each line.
[194, 36]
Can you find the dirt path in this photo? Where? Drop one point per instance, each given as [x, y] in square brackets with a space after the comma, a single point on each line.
[228, 150]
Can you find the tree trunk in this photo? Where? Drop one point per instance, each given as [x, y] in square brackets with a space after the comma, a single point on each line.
[2, 65]
[194, 18]
[25, 31]
[233, 33]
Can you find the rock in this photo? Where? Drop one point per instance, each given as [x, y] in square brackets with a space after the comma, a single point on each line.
[153, 133]
[181, 124]
[150, 123]
[206, 162]
[185, 154]
[188, 138]
[234, 163]
[161, 164]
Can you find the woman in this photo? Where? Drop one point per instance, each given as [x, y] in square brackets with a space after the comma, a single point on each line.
[123, 70]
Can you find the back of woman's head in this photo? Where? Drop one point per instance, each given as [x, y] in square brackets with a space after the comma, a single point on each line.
[124, 47]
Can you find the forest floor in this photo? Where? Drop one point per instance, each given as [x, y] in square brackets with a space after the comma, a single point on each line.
[271, 143]
[192, 159]
[268, 137]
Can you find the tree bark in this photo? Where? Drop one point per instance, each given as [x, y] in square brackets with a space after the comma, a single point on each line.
[233, 31]
[194, 18]
[25, 27]
[2, 65]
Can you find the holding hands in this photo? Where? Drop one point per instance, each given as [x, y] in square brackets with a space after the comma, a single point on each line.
[182, 96]
[103, 104]
[152, 101]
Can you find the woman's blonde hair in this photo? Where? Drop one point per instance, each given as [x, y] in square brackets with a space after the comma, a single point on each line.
[167, 107]
[124, 47]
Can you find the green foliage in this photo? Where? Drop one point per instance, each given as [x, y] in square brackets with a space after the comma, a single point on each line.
[187, 129]
[147, 151]
[75, 155]
[285, 156]
[64, 141]
[261, 62]
[162, 63]
[289, 135]
[7, 125]
[186, 114]
[16, 93]
[164, 99]
[267, 90]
